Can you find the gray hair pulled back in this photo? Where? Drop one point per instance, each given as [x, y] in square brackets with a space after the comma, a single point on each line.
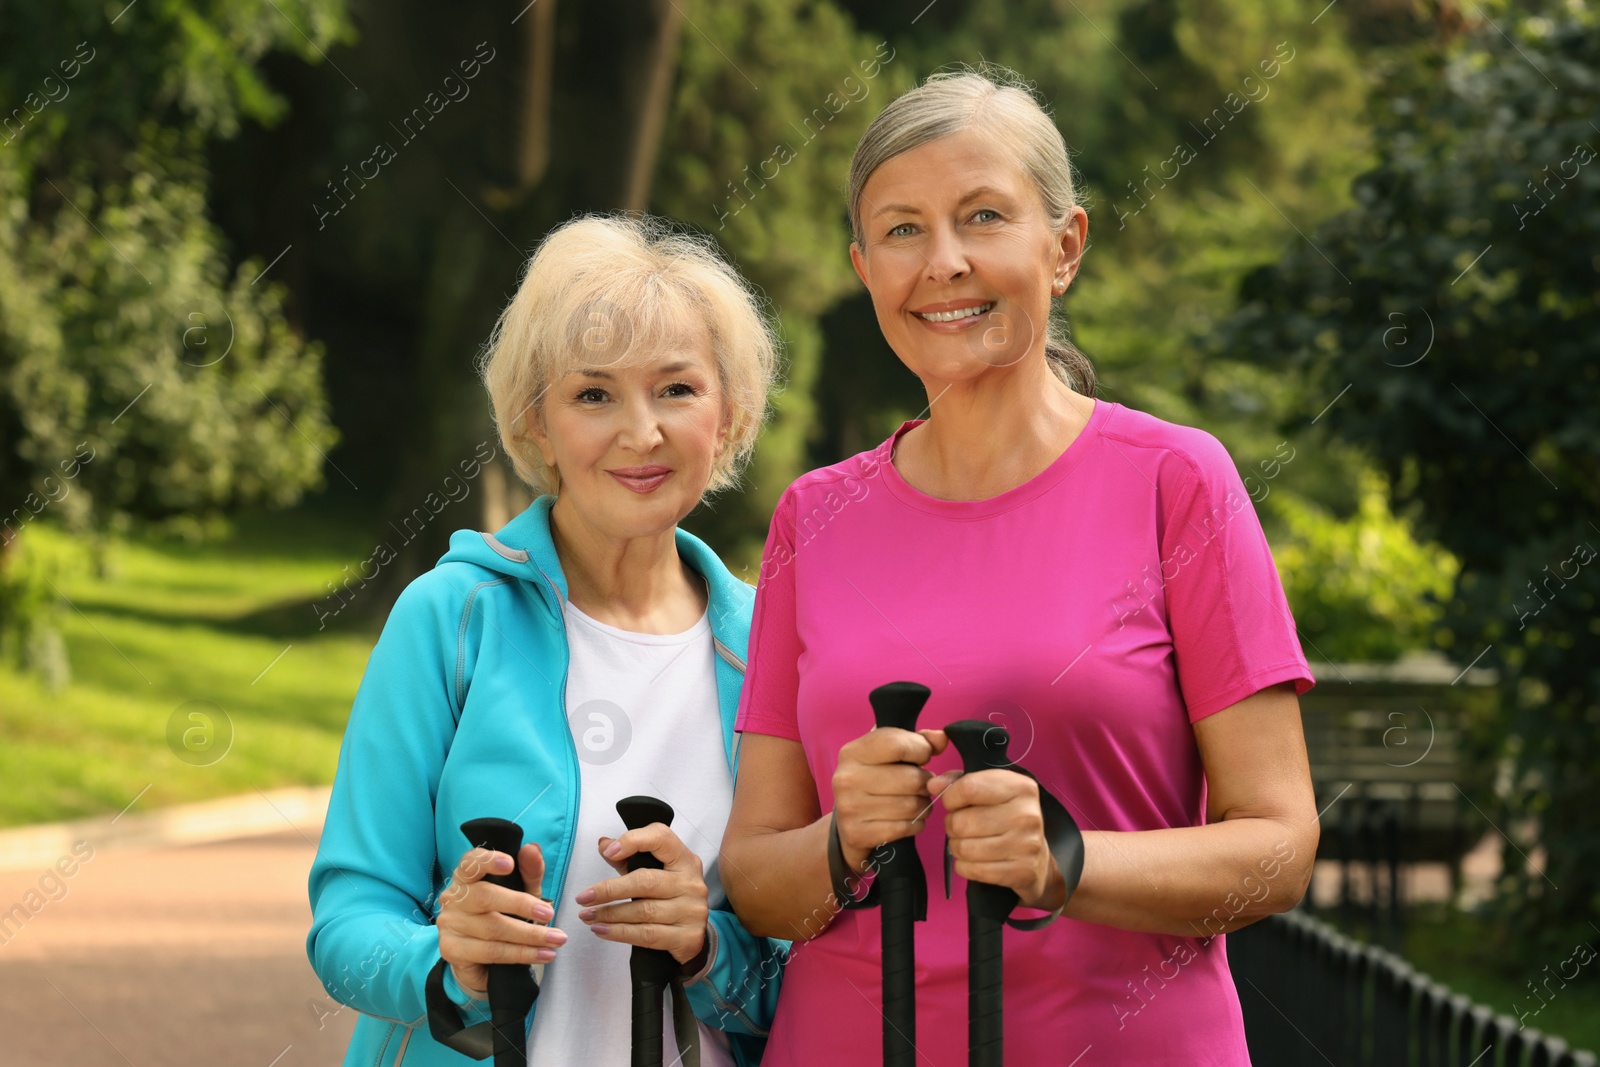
[954, 100]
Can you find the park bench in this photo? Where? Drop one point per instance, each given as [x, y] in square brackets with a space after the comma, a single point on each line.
[1390, 767]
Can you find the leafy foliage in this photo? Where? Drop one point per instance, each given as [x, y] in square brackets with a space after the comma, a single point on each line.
[191, 63]
[141, 375]
[179, 380]
[1458, 302]
[1362, 588]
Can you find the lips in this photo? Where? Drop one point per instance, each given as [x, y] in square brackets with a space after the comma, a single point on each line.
[958, 312]
[640, 479]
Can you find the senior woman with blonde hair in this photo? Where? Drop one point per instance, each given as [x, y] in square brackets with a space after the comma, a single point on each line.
[1084, 574]
[587, 651]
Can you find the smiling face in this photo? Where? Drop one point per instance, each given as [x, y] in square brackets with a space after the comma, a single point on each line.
[960, 258]
[634, 443]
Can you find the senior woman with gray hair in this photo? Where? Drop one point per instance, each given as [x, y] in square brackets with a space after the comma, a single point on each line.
[1086, 575]
[587, 651]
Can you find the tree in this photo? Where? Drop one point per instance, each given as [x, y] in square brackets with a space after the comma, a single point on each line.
[1451, 319]
[142, 375]
[1362, 588]
[571, 108]
[414, 180]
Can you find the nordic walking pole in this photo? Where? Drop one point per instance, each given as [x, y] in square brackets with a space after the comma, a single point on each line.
[903, 896]
[983, 747]
[650, 968]
[511, 986]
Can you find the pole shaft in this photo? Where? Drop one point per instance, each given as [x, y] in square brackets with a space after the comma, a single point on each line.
[899, 972]
[985, 987]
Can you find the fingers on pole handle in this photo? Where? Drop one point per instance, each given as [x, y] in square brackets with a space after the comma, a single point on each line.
[898, 704]
[512, 987]
[983, 747]
[638, 812]
[904, 893]
[499, 835]
[649, 969]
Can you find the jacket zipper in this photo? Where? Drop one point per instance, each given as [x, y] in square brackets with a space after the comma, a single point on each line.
[572, 818]
[573, 770]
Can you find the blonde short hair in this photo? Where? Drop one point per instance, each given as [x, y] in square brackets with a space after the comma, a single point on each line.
[607, 290]
[1000, 102]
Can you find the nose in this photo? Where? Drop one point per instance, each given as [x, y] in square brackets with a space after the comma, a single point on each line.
[641, 426]
[947, 258]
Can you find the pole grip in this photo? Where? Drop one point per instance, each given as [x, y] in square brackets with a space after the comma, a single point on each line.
[982, 746]
[650, 969]
[638, 812]
[896, 705]
[511, 985]
[501, 835]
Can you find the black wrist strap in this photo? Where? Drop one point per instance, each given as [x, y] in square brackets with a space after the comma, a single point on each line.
[444, 1020]
[1065, 841]
[685, 1026]
[843, 877]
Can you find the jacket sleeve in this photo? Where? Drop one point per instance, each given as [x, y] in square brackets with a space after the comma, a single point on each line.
[373, 884]
[737, 991]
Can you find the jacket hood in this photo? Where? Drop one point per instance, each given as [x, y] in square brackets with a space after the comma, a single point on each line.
[524, 548]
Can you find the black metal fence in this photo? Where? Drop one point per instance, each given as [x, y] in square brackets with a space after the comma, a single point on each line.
[1310, 995]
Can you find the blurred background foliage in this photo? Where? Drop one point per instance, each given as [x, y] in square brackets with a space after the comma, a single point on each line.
[1455, 307]
[249, 251]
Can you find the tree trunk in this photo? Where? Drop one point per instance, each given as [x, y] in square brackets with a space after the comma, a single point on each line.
[613, 71]
[652, 93]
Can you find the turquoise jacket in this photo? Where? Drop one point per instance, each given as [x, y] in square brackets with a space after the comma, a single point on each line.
[462, 714]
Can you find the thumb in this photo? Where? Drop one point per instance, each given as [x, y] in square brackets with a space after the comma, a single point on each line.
[619, 864]
[530, 861]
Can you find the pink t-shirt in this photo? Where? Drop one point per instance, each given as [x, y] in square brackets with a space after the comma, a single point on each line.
[1044, 609]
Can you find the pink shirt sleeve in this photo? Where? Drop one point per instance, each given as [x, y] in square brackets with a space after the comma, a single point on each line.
[767, 703]
[1231, 628]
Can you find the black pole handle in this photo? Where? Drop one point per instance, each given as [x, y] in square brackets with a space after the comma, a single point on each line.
[511, 986]
[983, 747]
[898, 704]
[902, 896]
[650, 968]
[501, 835]
[638, 812]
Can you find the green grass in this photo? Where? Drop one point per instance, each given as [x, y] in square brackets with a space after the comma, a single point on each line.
[1464, 952]
[175, 622]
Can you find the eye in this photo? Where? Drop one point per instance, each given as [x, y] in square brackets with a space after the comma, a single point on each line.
[688, 389]
[993, 215]
[591, 395]
[902, 230]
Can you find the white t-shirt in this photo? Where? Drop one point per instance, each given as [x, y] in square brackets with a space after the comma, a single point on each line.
[644, 716]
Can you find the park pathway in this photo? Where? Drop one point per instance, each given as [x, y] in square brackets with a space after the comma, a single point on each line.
[159, 953]
[168, 957]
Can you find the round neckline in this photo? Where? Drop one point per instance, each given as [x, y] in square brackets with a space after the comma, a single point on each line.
[701, 627]
[994, 505]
